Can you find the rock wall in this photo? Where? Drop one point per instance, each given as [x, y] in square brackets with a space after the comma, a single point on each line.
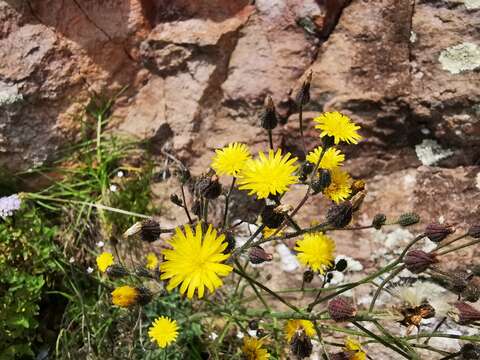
[198, 72]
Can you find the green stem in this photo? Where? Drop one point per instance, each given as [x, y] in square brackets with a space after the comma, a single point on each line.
[227, 198]
[459, 247]
[185, 207]
[382, 284]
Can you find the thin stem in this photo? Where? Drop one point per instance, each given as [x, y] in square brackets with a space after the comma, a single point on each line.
[249, 241]
[442, 245]
[440, 323]
[300, 119]
[227, 198]
[459, 247]
[381, 340]
[185, 207]
[270, 138]
[382, 284]
[252, 285]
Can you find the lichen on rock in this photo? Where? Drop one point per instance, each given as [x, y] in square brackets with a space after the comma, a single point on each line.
[429, 152]
[461, 57]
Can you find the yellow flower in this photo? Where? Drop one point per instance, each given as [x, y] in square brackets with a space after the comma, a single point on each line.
[339, 189]
[355, 349]
[265, 176]
[316, 250]
[339, 126]
[164, 331]
[125, 296]
[331, 159]
[104, 260]
[152, 261]
[252, 349]
[230, 159]
[195, 261]
[267, 232]
[292, 326]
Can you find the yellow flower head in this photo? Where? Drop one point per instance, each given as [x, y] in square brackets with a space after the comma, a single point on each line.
[164, 331]
[152, 261]
[339, 126]
[267, 232]
[253, 349]
[195, 261]
[332, 158]
[230, 159]
[354, 349]
[264, 176]
[125, 296]
[340, 187]
[316, 250]
[104, 260]
[291, 327]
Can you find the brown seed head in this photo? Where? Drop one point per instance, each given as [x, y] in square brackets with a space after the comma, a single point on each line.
[465, 314]
[257, 255]
[417, 261]
[438, 232]
[341, 308]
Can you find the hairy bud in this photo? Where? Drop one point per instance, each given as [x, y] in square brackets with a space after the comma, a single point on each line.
[417, 261]
[378, 221]
[268, 117]
[341, 308]
[340, 215]
[301, 345]
[257, 255]
[408, 219]
[438, 232]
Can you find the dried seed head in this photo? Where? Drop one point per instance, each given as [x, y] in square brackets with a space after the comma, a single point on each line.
[268, 117]
[474, 231]
[408, 219]
[378, 221]
[174, 198]
[340, 215]
[324, 180]
[301, 345]
[438, 232]
[230, 239]
[144, 295]
[417, 261]
[196, 208]
[357, 186]
[271, 218]
[464, 314]
[341, 308]
[457, 282]
[209, 187]
[357, 200]
[116, 271]
[302, 96]
[339, 356]
[257, 255]
[426, 311]
[471, 293]
[253, 324]
[470, 351]
[308, 276]
[341, 265]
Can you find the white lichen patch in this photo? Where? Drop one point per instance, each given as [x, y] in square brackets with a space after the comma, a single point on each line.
[413, 37]
[288, 261]
[477, 180]
[472, 4]
[9, 99]
[429, 152]
[461, 57]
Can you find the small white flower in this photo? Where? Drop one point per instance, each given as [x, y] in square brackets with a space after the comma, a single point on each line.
[8, 204]
[71, 260]
[100, 244]
[213, 336]
[120, 174]
[240, 335]
[113, 188]
[89, 270]
[252, 333]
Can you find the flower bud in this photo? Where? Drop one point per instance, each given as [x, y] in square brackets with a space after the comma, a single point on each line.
[253, 324]
[341, 308]
[464, 314]
[408, 219]
[176, 200]
[378, 221]
[230, 239]
[324, 180]
[272, 218]
[196, 208]
[148, 229]
[340, 215]
[341, 265]
[471, 293]
[328, 141]
[257, 255]
[209, 187]
[457, 282]
[143, 272]
[144, 295]
[470, 351]
[116, 271]
[438, 232]
[339, 356]
[301, 345]
[268, 117]
[357, 186]
[417, 261]
[474, 231]
[307, 168]
[308, 276]
[302, 97]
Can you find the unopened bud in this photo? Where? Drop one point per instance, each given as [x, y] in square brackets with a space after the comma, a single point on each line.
[438, 232]
[417, 261]
[341, 265]
[231, 243]
[143, 272]
[148, 229]
[308, 276]
[339, 356]
[340, 215]
[272, 218]
[457, 282]
[474, 231]
[268, 117]
[253, 324]
[408, 219]
[341, 308]
[470, 351]
[464, 314]
[176, 200]
[257, 255]
[144, 295]
[302, 97]
[378, 221]
[472, 292]
[301, 345]
[322, 182]
[116, 271]
[196, 208]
